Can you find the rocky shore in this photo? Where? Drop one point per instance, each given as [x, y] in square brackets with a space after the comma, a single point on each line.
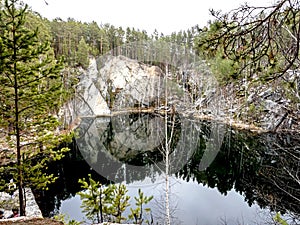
[7, 202]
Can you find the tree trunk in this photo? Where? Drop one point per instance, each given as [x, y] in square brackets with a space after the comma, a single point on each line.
[101, 206]
[167, 152]
[18, 135]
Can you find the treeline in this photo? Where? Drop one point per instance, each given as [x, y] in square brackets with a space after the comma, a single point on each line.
[75, 41]
[266, 43]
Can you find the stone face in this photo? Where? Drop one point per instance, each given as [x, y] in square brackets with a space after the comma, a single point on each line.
[11, 201]
[114, 83]
[270, 107]
[142, 86]
[117, 83]
[127, 83]
[88, 100]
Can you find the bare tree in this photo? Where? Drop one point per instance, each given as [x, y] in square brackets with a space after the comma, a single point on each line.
[258, 38]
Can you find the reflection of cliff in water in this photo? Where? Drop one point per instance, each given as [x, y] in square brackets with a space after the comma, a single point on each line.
[264, 168]
[131, 147]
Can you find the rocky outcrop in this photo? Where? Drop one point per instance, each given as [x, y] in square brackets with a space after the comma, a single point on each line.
[87, 101]
[272, 106]
[11, 201]
[127, 83]
[115, 84]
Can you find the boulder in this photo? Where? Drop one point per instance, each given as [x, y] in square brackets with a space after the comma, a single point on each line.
[11, 201]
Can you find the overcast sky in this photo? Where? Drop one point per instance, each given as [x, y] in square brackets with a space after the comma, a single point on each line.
[165, 15]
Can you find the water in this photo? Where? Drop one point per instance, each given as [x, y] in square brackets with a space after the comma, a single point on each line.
[218, 174]
[195, 204]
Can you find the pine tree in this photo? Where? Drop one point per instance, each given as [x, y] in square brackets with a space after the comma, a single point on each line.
[120, 202]
[137, 214]
[108, 203]
[92, 199]
[83, 54]
[30, 90]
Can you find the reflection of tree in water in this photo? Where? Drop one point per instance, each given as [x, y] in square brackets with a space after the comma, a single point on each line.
[265, 168]
[280, 172]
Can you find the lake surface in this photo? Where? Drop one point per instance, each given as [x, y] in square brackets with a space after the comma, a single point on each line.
[217, 174]
[195, 204]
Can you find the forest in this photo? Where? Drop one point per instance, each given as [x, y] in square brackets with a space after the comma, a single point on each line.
[252, 51]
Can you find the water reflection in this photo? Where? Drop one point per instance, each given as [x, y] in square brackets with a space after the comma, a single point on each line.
[192, 203]
[136, 142]
[264, 168]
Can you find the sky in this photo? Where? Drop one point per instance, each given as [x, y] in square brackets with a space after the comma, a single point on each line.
[164, 15]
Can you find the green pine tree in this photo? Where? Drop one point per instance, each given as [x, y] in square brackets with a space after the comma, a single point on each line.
[96, 199]
[108, 203]
[30, 90]
[120, 202]
[92, 199]
[83, 54]
[137, 214]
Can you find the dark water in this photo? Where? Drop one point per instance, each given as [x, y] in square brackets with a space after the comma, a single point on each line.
[218, 174]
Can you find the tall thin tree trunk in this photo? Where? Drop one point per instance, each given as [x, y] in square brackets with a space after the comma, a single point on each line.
[101, 206]
[19, 159]
[167, 151]
[17, 129]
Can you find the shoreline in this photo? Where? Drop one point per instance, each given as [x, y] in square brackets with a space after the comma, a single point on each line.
[238, 124]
